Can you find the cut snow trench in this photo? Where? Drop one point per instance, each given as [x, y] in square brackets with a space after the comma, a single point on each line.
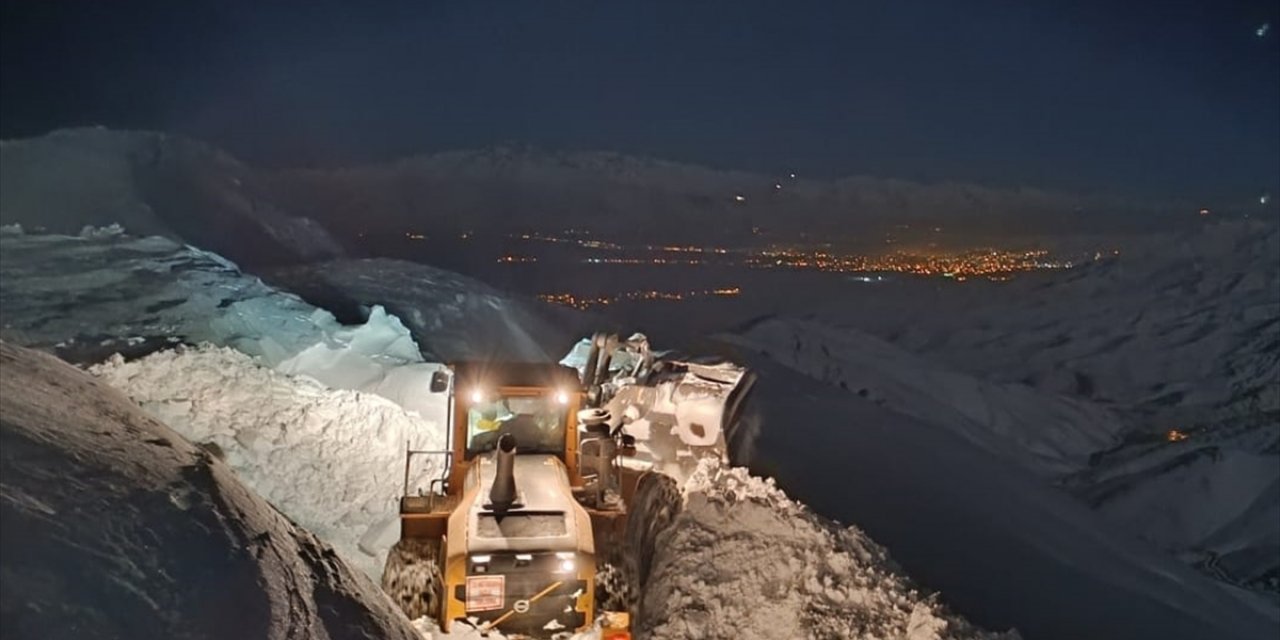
[331, 461]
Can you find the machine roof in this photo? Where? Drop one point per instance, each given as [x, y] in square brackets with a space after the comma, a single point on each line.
[515, 374]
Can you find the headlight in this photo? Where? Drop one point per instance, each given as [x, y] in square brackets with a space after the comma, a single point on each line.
[565, 562]
[562, 397]
[477, 395]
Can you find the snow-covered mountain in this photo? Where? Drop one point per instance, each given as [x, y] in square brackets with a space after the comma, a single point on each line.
[151, 184]
[114, 526]
[631, 195]
[154, 183]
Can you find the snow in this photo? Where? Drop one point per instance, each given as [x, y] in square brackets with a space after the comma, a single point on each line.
[1004, 547]
[113, 526]
[743, 561]
[452, 317]
[961, 519]
[92, 293]
[1047, 433]
[1179, 331]
[151, 184]
[332, 460]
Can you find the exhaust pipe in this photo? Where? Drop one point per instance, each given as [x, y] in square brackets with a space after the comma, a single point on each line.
[502, 495]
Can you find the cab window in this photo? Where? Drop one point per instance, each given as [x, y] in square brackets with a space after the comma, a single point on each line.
[537, 422]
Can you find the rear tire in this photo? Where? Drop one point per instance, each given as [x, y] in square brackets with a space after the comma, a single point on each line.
[654, 508]
[412, 578]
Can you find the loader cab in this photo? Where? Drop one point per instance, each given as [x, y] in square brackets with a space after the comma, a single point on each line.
[536, 403]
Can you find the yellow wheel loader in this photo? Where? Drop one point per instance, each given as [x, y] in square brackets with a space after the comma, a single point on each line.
[546, 515]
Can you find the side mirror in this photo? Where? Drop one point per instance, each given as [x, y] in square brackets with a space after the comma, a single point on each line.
[439, 382]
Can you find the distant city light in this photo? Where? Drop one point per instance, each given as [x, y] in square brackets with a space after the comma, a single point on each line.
[792, 176]
[740, 198]
[1262, 31]
[1204, 212]
[777, 186]
[1266, 197]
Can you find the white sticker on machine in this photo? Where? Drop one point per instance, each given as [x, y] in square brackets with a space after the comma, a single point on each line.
[485, 593]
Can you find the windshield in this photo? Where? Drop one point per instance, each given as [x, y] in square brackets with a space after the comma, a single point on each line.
[537, 422]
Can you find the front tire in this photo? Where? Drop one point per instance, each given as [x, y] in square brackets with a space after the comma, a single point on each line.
[412, 578]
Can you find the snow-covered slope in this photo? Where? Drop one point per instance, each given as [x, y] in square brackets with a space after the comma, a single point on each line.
[113, 526]
[1183, 328]
[1005, 548]
[1180, 332]
[1044, 432]
[151, 184]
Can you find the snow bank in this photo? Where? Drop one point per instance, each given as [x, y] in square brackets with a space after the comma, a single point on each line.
[113, 526]
[743, 561]
[331, 460]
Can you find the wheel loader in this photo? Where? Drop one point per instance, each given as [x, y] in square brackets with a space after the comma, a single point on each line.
[555, 486]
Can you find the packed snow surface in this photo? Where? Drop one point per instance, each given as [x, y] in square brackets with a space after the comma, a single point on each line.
[114, 526]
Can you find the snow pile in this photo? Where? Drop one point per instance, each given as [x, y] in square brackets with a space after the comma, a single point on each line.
[744, 561]
[113, 526]
[331, 460]
[1047, 433]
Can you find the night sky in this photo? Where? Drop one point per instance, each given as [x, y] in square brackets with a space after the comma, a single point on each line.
[1142, 98]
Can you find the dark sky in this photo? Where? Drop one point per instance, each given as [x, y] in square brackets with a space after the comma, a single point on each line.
[1144, 97]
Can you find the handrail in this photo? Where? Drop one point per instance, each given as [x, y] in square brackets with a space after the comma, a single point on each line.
[408, 457]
